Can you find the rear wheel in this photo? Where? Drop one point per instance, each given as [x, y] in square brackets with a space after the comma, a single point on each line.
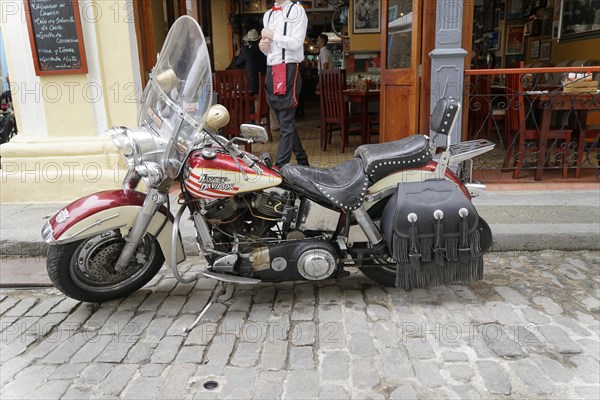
[85, 270]
[382, 268]
[385, 274]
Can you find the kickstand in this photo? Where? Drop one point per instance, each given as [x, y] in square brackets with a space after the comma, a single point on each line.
[215, 295]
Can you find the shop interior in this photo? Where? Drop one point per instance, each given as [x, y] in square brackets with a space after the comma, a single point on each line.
[505, 34]
[545, 118]
[540, 33]
[329, 17]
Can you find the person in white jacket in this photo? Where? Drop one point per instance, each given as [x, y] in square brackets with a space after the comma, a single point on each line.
[283, 43]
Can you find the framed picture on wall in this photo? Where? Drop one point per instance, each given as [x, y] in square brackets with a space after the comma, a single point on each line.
[514, 60]
[494, 40]
[496, 18]
[547, 22]
[555, 26]
[514, 39]
[579, 20]
[488, 16]
[534, 49]
[498, 62]
[367, 16]
[516, 10]
[545, 51]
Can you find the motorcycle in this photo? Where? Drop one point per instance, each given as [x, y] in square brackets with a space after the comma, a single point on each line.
[8, 122]
[401, 212]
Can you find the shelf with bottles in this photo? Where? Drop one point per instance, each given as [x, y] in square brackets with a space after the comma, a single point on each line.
[363, 68]
[363, 81]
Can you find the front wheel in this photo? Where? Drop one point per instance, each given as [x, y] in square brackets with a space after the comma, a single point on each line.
[85, 270]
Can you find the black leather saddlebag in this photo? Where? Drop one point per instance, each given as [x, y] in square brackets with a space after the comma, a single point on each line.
[434, 234]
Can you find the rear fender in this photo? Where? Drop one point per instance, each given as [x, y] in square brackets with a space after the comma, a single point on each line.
[386, 187]
[388, 184]
[105, 211]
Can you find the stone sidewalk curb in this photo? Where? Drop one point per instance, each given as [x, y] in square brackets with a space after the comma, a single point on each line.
[520, 221]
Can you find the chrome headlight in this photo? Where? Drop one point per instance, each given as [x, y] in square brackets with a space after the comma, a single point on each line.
[151, 173]
[138, 145]
[121, 139]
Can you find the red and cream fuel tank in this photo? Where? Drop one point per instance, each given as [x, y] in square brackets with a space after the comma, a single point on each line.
[211, 174]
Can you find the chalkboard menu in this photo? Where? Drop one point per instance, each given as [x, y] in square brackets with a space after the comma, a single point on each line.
[56, 37]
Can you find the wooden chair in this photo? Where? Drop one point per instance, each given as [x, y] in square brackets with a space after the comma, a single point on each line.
[262, 106]
[334, 108]
[232, 88]
[588, 142]
[518, 136]
[373, 126]
[524, 139]
[487, 117]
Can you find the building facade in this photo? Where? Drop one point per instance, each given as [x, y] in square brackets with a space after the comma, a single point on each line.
[61, 151]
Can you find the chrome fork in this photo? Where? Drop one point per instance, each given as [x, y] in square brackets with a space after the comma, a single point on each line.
[154, 199]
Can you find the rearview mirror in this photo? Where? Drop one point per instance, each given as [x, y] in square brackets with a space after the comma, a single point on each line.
[256, 133]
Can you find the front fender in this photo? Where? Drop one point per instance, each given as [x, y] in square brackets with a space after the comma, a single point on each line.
[109, 210]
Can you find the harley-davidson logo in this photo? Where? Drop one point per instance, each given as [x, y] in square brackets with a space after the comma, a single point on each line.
[215, 182]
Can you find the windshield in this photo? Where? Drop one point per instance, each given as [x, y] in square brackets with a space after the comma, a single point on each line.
[179, 93]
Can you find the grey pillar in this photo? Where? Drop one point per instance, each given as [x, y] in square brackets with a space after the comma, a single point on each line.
[447, 58]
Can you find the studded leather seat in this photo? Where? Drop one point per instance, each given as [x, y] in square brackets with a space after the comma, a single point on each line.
[383, 159]
[343, 186]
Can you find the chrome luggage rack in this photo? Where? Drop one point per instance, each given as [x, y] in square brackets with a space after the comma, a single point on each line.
[460, 152]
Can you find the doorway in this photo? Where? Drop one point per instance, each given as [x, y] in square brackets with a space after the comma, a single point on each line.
[406, 42]
[153, 18]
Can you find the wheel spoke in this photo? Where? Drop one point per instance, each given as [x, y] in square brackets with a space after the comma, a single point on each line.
[93, 265]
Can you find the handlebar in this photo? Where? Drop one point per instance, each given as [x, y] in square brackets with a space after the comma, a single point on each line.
[235, 152]
[243, 155]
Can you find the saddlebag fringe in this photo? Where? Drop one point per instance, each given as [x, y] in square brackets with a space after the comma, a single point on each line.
[434, 275]
[431, 274]
[434, 242]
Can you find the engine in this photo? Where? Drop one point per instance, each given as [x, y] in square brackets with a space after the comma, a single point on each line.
[250, 215]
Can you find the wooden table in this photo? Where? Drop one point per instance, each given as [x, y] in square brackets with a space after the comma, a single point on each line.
[580, 103]
[363, 98]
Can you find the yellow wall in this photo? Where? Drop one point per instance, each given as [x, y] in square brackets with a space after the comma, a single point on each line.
[588, 49]
[365, 41]
[68, 103]
[221, 34]
[68, 100]
[117, 69]
[67, 159]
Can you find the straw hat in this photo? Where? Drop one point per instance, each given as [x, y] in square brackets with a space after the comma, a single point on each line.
[252, 35]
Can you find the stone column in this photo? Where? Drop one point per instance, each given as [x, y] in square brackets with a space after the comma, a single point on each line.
[447, 58]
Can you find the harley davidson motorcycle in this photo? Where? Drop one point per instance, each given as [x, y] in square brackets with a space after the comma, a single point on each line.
[400, 212]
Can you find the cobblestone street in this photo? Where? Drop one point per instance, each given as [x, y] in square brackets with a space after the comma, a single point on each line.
[529, 329]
